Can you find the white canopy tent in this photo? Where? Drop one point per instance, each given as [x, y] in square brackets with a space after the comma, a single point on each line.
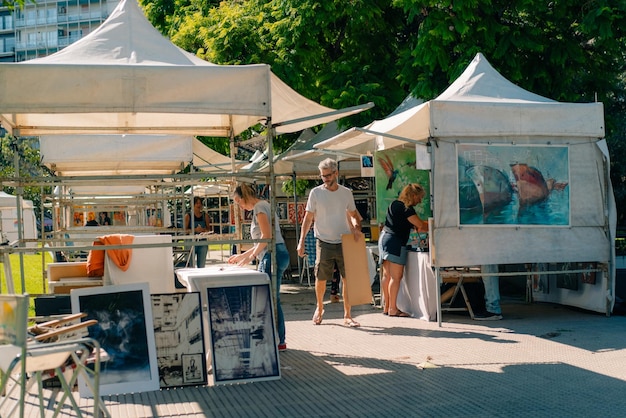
[483, 108]
[126, 78]
[8, 213]
[207, 160]
[302, 159]
[82, 155]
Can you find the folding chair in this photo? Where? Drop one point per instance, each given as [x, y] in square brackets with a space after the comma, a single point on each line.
[25, 363]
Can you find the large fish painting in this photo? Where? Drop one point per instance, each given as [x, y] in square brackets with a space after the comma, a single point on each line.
[502, 184]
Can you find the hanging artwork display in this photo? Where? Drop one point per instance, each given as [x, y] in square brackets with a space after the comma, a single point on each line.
[179, 337]
[511, 184]
[125, 332]
[395, 168]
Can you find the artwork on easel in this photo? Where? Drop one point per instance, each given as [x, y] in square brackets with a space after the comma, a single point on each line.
[125, 332]
[179, 337]
[242, 332]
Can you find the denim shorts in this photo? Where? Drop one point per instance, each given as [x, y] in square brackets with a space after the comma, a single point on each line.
[388, 241]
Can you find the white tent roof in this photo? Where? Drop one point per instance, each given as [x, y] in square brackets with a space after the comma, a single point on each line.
[207, 159]
[10, 201]
[300, 157]
[81, 155]
[480, 103]
[207, 189]
[126, 78]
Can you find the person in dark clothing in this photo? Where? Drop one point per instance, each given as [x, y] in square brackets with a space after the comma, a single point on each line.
[400, 219]
[201, 225]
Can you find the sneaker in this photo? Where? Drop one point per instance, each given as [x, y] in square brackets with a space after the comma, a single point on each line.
[487, 316]
[282, 347]
[334, 299]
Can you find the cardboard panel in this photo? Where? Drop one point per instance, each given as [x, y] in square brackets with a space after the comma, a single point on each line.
[357, 274]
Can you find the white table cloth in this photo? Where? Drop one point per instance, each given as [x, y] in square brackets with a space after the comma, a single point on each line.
[197, 279]
[417, 295]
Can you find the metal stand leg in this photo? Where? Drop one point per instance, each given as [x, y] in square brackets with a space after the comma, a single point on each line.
[8, 274]
[305, 269]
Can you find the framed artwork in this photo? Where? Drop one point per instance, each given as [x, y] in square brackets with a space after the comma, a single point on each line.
[125, 331]
[296, 213]
[119, 217]
[263, 191]
[367, 166]
[513, 185]
[247, 215]
[245, 231]
[242, 332]
[394, 169]
[79, 218]
[179, 337]
[281, 210]
[154, 217]
[566, 280]
[104, 218]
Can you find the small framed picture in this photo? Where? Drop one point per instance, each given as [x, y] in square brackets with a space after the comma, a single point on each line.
[179, 336]
[125, 332]
[242, 331]
[193, 370]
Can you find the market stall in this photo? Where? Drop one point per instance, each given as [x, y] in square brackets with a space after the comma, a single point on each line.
[516, 179]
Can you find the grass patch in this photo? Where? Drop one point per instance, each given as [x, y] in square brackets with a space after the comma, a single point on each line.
[33, 276]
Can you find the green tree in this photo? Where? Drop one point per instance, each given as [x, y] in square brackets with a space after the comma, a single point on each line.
[568, 51]
[342, 53]
[316, 47]
[29, 166]
[11, 4]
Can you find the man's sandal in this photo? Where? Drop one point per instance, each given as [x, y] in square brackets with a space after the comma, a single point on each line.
[351, 323]
[317, 317]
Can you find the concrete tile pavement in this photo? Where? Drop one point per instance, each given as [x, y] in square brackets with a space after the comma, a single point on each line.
[541, 360]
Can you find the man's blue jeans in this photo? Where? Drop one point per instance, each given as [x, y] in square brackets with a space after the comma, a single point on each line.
[282, 262]
[492, 289]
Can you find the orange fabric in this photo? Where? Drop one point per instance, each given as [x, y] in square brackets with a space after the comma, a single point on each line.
[95, 262]
[121, 257]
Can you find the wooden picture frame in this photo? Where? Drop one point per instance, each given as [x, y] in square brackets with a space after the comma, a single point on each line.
[125, 331]
[242, 331]
[179, 337]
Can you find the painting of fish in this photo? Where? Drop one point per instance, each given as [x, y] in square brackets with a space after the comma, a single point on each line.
[530, 184]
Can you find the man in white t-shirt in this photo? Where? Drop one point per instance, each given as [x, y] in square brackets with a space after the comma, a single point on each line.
[332, 208]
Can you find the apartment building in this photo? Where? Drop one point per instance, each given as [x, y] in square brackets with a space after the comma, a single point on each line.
[47, 26]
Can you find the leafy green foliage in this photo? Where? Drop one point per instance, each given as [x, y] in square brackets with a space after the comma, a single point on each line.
[341, 53]
[14, 3]
[301, 186]
[28, 163]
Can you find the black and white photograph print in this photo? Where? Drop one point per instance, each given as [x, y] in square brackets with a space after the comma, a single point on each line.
[194, 371]
[179, 337]
[242, 331]
[125, 332]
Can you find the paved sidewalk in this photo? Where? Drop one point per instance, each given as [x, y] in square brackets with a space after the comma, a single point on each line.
[541, 360]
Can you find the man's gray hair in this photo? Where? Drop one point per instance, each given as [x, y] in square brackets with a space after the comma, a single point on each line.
[328, 164]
